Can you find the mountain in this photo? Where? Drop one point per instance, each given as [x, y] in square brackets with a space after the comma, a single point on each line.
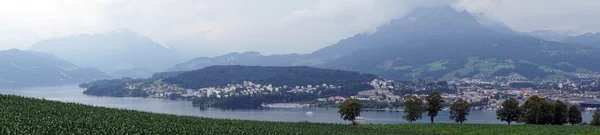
[439, 43]
[19, 68]
[118, 51]
[246, 58]
[459, 56]
[418, 24]
[443, 43]
[551, 35]
[587, 39]
[421, 23]
[137, 72]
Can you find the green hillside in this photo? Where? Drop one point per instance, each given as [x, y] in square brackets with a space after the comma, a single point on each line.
[461, 56]
[20, 115]
[445, 44]
[215, 76]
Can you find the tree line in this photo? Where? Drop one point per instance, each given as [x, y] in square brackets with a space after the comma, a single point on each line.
[114, 88]
[535, 110]
[216, 76]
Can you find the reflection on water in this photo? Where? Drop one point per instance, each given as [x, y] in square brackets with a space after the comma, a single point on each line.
[330, 115]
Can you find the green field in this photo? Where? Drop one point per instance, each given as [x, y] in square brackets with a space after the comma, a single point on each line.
[20, 115]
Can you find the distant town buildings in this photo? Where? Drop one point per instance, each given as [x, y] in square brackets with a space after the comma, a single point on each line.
[482, 93]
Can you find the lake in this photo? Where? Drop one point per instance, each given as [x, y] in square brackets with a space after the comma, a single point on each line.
[327, 115]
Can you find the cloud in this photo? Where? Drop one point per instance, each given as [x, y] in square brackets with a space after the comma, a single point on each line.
[306, 30]
[23, 22]
[211, 27]
[528, 15]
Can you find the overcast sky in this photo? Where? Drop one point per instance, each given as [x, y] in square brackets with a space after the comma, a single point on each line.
[212, 27]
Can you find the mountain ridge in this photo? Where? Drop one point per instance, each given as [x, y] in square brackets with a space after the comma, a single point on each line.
[444, 43]
[587, 39]
[21, 68]
[116, 51]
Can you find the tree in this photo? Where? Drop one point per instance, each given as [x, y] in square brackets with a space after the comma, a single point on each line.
[174, 96]
[350, 109]
[574, 115]
[413, 108]
[509, 111]
[560, 113]
[434, 104]
[459, 110]
[536, 110]
[595, 119]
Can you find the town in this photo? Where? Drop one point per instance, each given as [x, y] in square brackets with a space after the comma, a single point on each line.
[483, 94]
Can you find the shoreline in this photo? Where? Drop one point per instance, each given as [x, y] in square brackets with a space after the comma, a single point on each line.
[166, 123]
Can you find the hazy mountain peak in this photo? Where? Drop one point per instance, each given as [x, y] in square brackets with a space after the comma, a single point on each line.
[113, 51]
[25, 53]
[435, 12]
[13, 50]
[125, 31]
[493, 23]
[591, 34]
[21, 68]
[242, 54]
[236, 58]
[552, 35]
[443, 14]
[420, 23]
[251, 53]
[588, 39]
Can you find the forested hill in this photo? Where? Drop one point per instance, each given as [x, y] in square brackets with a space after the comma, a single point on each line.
[291, 76]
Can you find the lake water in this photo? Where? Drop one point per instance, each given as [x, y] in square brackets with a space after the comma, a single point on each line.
[328, 115]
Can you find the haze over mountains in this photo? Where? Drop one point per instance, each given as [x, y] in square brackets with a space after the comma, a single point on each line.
[446, 44]
[551, 35]
[245, 58]
[439, 42]
[121, 53]
[19, 68]
[587, 39]
[436, 42]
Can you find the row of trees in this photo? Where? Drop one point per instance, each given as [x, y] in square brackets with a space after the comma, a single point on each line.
[413, 108]
[535, 110]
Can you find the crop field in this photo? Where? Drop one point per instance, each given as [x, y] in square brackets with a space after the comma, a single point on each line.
[19, 115]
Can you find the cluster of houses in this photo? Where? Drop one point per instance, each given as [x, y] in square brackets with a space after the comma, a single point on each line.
[388, 91]
[246, 88]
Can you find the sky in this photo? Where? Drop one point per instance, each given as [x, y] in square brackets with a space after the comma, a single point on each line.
[213, 27]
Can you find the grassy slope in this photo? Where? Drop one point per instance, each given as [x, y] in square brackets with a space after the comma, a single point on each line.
[20, 115]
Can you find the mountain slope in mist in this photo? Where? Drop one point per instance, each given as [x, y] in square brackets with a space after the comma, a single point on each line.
[19, 68]
[587, 39]
[114, 52]
[443, 43]
[447, 44]
[245, 58]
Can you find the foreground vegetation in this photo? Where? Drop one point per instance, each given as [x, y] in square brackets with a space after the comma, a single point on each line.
[20, 115]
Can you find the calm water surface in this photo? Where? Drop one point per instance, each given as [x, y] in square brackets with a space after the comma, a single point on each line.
[328, 115]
